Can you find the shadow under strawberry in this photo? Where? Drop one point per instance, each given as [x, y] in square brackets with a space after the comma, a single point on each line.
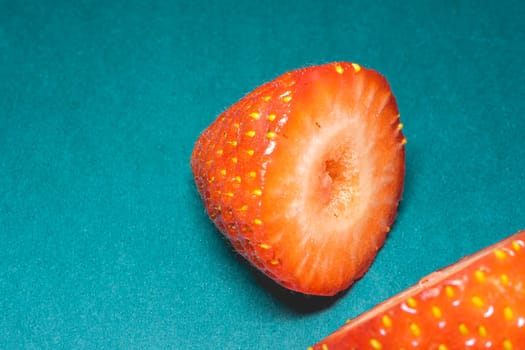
[297, 302]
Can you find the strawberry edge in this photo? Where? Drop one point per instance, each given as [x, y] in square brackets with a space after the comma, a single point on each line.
[424, 283]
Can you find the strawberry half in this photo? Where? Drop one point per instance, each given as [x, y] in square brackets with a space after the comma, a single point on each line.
[477, 303]
[304, 174]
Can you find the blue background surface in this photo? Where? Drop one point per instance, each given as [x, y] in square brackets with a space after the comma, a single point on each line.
[104, 242]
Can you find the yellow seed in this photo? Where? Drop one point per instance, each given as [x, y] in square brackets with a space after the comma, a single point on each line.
[287, 98]
[223, 171]
[270, 135]
[257, 221]
[436, 312]
[508, 313]
[244, 208]
[356, 67]
[387, 321]
[480, 276]
[442, 347]
[274, 262]
[500, 254]
[399, 126]
[257, 192]
[516, 246]
[211, 179]
[252, 174]
[482, 331]
[324, 347]
[267, 98]
[404, 141]
[339, 69]
[238, 179]
[236, 125]
[477, 301]
[234, 160]
[507, 345]
[250, 152]
[229, 194]
[412, 302]
[219, 152]
[388, 228]
[376, 344]
[271, 117]
[233, 143]
[255, 115]
[264, 246]
[463, 329]
[250, 133]
[449, 291]
[415, 330]
[504, 279]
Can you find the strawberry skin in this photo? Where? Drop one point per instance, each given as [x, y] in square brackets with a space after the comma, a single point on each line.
[477, 303]
[304, 174]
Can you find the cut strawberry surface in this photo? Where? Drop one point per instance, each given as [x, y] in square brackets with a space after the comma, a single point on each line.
[304, 174]
[477, 303]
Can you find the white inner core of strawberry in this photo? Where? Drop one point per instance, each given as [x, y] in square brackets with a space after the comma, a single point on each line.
[338, 180]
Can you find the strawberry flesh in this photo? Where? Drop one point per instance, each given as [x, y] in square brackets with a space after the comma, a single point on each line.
[304, 174]
[477, 303]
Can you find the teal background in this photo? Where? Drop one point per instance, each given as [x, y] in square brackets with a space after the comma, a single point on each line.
[104, 242]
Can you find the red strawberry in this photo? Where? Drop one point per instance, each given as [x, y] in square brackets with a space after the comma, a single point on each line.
[477, 303]
[304, 174]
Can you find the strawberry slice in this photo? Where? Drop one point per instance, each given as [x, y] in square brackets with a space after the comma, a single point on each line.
[477, 303]
[304, 174]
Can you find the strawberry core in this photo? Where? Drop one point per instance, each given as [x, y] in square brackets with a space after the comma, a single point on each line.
[338, 180]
